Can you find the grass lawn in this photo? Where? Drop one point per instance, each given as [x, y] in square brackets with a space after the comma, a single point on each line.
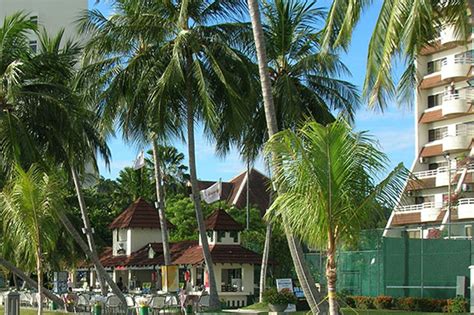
[348, 311]
[34, 311]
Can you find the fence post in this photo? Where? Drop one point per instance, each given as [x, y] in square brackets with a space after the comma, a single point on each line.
[471, 286]
[12, 303]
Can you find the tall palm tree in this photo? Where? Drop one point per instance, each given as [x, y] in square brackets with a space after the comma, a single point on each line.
[198, 72]
[403, 28]
[302, 82]
[124, 52]
[27, 208]
[326, 176]
[43, 118]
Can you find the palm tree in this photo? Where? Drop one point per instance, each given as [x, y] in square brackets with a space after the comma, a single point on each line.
[326, 177]
[198, 72]
[301, 82]
[403, 28]
[43, 118]
[27, 208]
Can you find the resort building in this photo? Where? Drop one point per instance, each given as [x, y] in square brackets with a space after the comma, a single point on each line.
[136, 256]
[53, 15]
[440, 200]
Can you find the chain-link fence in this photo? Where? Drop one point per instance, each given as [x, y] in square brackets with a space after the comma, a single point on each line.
[399, 266]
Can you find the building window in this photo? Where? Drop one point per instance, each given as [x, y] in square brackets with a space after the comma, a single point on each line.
[434, 66]
[34, 45]
[34, 19]
[220, 235]
[436, 134]
[235, 236]
[419, 200]
[414, 233]
[210, 235]
[231, 280]
[434, 100]
[468, 231]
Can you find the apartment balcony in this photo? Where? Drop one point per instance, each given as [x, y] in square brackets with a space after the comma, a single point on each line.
[429, 211]
[455, 67]
[456, 103]
[466, 208]
[457, 142]
[448, 35]
[442, 178]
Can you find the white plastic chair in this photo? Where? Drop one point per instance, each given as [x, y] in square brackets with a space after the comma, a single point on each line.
[157, 303]
[113, 305]
[83, 302]
[204, 302]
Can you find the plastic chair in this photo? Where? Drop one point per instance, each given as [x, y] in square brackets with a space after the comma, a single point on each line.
[83, 302]
[130, 304]
[113, 305]
[157, 303]
[204, 302]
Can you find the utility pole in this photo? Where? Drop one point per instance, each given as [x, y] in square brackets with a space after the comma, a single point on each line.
[248, 194]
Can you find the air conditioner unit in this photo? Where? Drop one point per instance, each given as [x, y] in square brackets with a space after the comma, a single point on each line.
[467, 187]
[410, 193]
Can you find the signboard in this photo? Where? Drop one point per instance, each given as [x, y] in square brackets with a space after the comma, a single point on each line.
[286, 283]
[60, 282]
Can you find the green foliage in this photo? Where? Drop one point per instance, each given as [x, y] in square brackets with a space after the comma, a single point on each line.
[458, 305]
[363, 302]
[409, 304]
[285, 296]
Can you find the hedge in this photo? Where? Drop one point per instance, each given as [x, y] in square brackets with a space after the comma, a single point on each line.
[456, 305]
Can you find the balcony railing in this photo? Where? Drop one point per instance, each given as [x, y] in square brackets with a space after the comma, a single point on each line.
[419, 207]
[466, 201]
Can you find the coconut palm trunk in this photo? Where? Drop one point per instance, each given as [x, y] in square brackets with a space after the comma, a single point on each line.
[32, 283]
[91, 255]
[39, 271]
[305, 278]
[214, 302]
[87, 226]
[263, 270]
[160, 195]
[331, 275]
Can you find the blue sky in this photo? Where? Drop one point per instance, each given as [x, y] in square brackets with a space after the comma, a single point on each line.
[394, 129]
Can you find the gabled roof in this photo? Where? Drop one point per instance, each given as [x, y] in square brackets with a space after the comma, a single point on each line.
[220, 220]
[220, 253]
[139, 214]
[234, 192]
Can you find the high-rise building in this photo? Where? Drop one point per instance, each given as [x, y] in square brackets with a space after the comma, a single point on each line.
[440, 201]
[53, 15]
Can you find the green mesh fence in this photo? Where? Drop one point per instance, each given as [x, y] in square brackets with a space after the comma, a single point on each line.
[398, 266]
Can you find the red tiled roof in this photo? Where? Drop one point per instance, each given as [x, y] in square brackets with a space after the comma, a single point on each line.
[140, 257]
[234, 191]
[220, 220]
[139, 214]
[220, 254]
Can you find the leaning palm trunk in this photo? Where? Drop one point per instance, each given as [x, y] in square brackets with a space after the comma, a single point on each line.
[91, 255]
[39, 271]
[214, 302]
[160, 195]
[32, 283]
[263, 270]
[305, 278]
[87, 226]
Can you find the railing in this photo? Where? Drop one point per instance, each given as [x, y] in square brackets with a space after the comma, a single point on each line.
[463, 94]
[424, 174]
[463, 60]
[466, 201]
[419, 207]
[459, 132]
[441, 169]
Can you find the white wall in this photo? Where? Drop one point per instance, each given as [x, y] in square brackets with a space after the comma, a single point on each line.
[137, 238]
[52, 14]
[226, 239]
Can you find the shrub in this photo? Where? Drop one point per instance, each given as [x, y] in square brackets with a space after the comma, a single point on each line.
[285, 296]
[350, 301]
[364, 302]
[406, 304]
[383, 302]
[457, 305]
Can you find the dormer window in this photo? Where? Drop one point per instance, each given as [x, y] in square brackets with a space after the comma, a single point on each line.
[151, 253]
[220, 235]
[121, 251]
[235, 236]
[210, 236]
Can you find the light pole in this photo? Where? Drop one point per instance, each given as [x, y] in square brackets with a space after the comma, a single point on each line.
[448, 159]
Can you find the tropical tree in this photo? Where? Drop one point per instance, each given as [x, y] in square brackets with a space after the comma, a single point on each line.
[327, 177]
[403, 28]
[43, 119]
[198, 72]
[28, 209]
